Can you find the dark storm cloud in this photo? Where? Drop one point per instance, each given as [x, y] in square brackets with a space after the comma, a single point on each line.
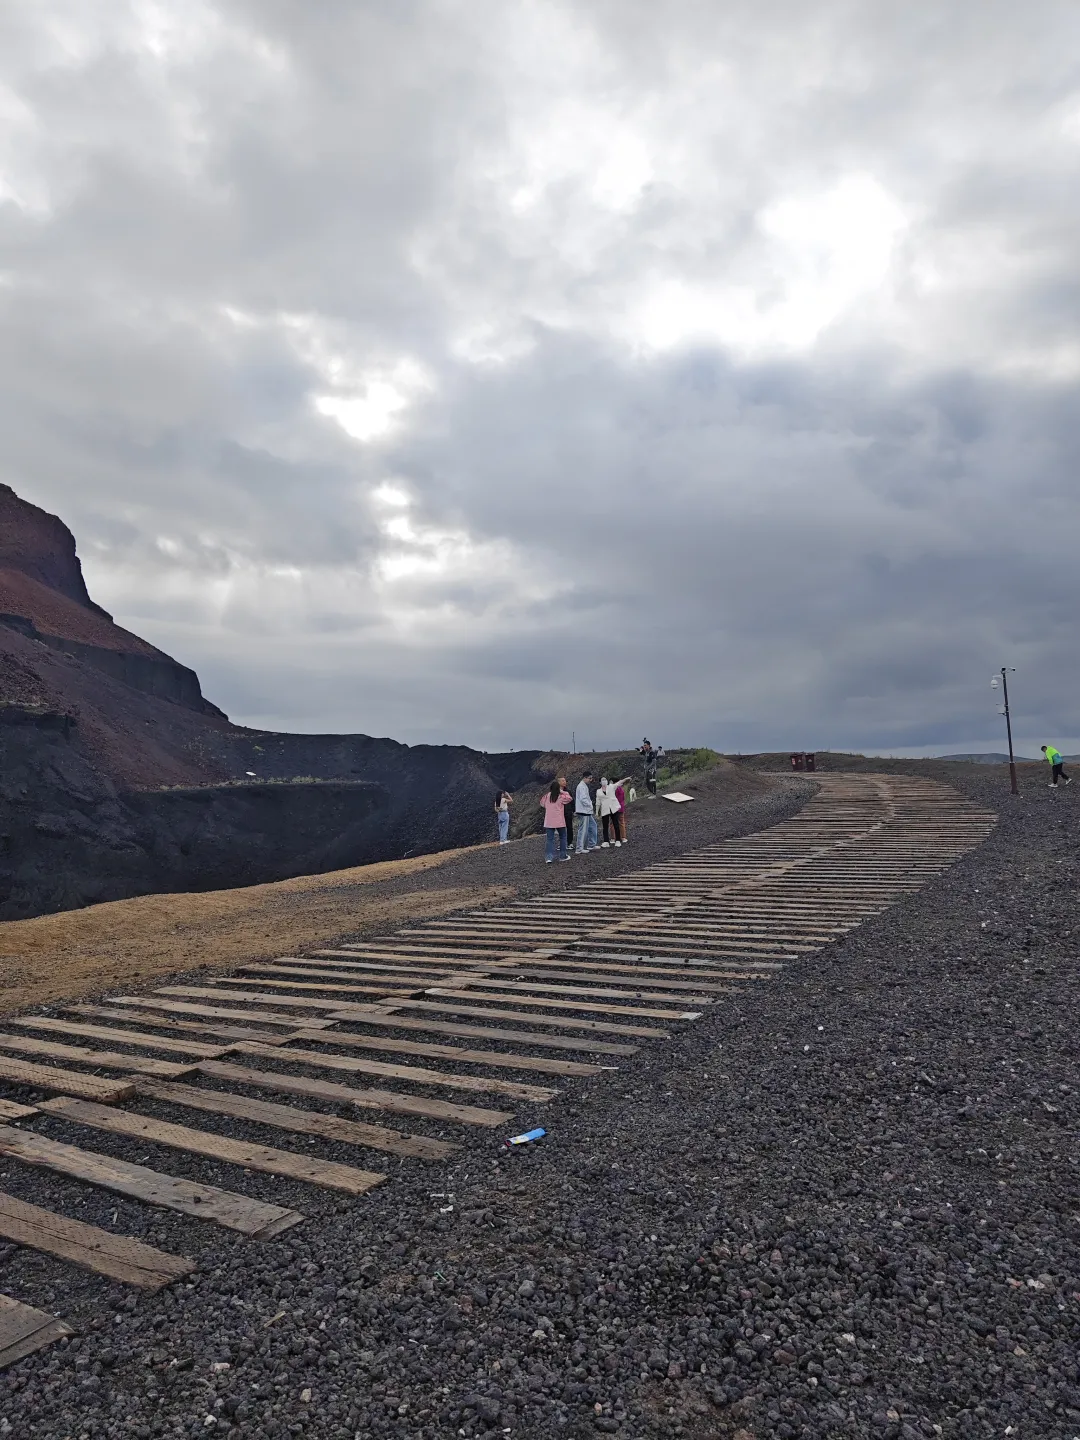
[483, 371]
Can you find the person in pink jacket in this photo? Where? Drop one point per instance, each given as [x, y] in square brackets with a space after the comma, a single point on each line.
[554, 804]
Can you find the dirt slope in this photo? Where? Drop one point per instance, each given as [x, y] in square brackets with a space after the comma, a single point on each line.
[128, 942]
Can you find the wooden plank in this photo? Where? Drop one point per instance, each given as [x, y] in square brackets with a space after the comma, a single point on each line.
[198, 1027]
[354, 988]
[497, 1058]
[484, 1084]
[216, 1147]
[67, 1082]
[135, 1038]
[570, 1022]
[595, 971]
[305, 1122]
[407, 957]
[484, 1032]
[487, 975]
[300, 1002]
[24, 1330]
[206, 1202]
[487, 982]
[118, 1256]
[10, 1111]
[106, 1059]
[218, 1012]
[643, 1011]
[432, 954]
[402, 977]
[389, 1100]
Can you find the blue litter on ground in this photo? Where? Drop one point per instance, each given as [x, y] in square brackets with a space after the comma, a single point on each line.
[529, 1135]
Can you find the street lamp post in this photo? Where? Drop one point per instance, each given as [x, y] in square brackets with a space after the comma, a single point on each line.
[1008, 723]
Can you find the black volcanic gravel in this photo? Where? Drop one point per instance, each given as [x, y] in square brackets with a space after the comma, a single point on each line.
[844, 1204]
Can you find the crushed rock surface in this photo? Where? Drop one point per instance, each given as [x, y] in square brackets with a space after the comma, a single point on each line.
[843, 1204]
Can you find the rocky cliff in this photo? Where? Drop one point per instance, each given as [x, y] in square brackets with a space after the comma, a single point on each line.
[118, 778]
[43, 595]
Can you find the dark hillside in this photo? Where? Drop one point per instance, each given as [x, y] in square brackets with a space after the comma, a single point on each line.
[118, 778]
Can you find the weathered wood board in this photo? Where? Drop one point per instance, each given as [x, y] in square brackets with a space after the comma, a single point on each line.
[396, 1104]
[359, 1065]
[24, 1330]
[498, 1058]
[106, 1059]
[206, 1202]
[136, 1038]
[67, 1082]
[304, 1122]
[10, 1111]
[118, 1256]
[216, 1012]
[431, 1026]
[217, 1147]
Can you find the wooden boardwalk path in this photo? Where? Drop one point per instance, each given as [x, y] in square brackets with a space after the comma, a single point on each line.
[456, 1026]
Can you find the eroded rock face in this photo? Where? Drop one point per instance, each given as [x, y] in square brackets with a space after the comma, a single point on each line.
[43, 596]
[41, 546]
[118, 778]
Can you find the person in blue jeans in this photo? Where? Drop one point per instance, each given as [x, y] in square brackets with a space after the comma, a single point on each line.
[584, 819]
[554, 804]
[503, 801]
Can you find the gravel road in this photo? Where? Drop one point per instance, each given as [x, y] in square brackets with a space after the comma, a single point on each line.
[843, 1204]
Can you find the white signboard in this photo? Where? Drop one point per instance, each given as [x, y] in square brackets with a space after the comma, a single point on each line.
[677, 796]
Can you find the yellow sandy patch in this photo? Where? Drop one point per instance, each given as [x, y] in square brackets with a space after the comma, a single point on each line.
[125, 942]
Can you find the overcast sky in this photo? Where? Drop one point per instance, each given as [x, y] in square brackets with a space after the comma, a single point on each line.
[483, 371]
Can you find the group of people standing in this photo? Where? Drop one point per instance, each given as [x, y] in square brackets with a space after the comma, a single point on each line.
[606, 804]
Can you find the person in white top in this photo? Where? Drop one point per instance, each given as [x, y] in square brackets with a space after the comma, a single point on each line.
[583, 815]
[607, 803]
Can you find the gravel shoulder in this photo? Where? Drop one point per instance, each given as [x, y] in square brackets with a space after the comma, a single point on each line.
[844, 1204]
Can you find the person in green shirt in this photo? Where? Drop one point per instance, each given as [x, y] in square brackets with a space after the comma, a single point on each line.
[1057, 766]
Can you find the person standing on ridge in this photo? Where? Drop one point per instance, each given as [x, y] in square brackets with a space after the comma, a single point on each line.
[1057, 766]
[503, 801]
[554, 804]
[583, 809]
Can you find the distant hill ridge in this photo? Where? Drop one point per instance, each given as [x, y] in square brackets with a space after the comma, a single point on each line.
[989, 757]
